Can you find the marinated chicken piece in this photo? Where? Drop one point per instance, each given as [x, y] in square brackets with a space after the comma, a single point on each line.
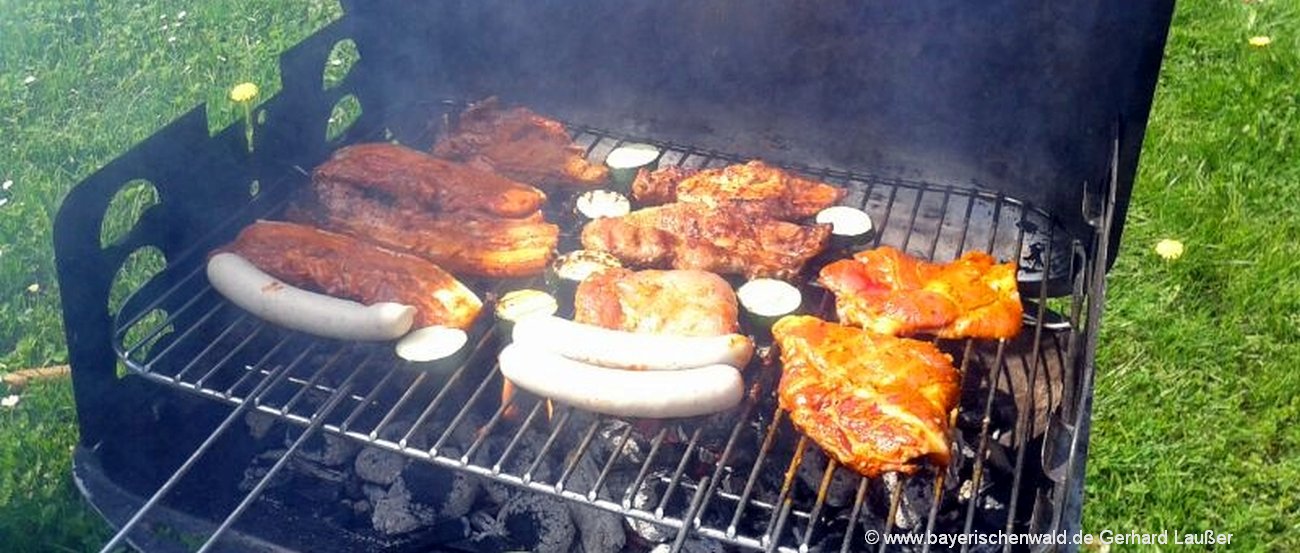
[696, 236]
[678, 302]
[875, 403]
[776, 192]
[464, 245]
[887, 291]
[520, 144]
[344, 267]
[415, 180]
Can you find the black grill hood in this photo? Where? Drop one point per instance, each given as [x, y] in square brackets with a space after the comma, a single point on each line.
[1017, 96]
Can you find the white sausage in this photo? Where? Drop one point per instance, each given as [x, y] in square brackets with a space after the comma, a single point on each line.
[271, 299]
[648, 394]
[629, 350]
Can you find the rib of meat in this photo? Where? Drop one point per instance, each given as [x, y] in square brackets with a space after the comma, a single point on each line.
[503, 248]
[779, 193]
[696, 236]
[416, 180]
[680, 302]
[890, 292]
[875, 403]
[520, 144]
[345, 267]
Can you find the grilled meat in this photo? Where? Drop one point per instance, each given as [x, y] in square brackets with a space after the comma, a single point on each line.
[875, 403]
[697, 236]
[345, 267]
[776, 192]
[414, 180]
[520, 144]
[481, 246]
[682, 303]
[890, 292]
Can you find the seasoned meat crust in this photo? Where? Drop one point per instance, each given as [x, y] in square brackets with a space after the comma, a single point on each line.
[677, 302]
[345, 267]
[520, 144]
[773, 191]
[464, 245]
[410, 179]
[890, 292]
[723, 240]
[875, 403]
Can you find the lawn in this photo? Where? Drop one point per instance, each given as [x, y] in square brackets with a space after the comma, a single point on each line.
[1197, 415]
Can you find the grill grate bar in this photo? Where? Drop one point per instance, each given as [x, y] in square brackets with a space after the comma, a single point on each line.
[934, 508]
[827, 476]
[310, 384]
[169, 320]
[152, 305]
[697, 501]
[367, 400]
[556, 427]
[982, 449]
[262, 362]
[577, 455]
[754, 472]
[1024, 421]
[397, 407]
[481, 436]
[645, 467]
[185, 335]
[609, 463]
[280, 463]
[176, 378]
[772, 536]
[895, 497]
[729, 449]
[225, 361]
[441, 396]
[514, 441]
[677, 475]
[460, 416]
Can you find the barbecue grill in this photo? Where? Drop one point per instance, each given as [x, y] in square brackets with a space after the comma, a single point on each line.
[1010, 126]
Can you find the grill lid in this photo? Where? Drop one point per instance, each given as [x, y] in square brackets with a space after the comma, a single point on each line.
[1017, 96]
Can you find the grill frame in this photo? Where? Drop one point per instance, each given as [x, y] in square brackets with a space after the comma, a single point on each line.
[194, 173]
[196, 373]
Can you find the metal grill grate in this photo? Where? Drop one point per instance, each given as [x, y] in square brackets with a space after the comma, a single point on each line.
[746, 477]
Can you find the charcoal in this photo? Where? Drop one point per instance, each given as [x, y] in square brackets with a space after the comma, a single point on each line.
[538, 523]
[601, 531]
[647, 498]
[608, 443]
[326, 449]
[378, 465]
[694, 545]
[260, 466]
[523, 455]
[448, 493]
[914, 503]
[843, 486]
[394, 513]
[259, 424]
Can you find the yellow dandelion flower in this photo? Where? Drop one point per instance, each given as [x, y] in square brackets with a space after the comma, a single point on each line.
[1260, 41]
[1169, 249]
[243, 92]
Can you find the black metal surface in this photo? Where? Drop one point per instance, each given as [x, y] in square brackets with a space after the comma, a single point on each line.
[1014, 96]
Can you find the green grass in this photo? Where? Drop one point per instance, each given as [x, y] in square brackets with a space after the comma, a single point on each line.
[80, 83]
[1197, 417]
